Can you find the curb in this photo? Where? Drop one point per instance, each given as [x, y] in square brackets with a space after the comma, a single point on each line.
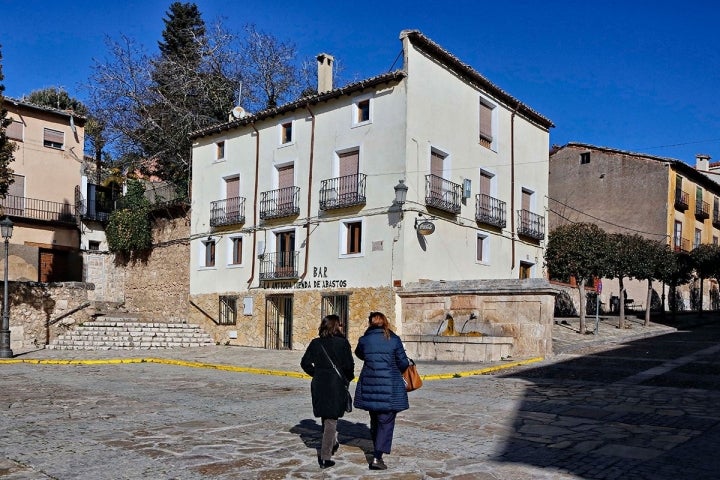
[255, 371]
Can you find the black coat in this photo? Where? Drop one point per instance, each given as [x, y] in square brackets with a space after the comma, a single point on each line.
[327, 388]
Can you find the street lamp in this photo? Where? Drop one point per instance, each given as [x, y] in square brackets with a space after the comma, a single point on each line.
[6, 228]
[400, 193]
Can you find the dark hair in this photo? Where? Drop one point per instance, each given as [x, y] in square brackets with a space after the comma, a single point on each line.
[330, 326]
[378, 319]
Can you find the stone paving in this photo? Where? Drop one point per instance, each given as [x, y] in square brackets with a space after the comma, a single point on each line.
[245, 413]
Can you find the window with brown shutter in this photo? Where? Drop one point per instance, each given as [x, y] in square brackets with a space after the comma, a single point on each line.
[14, 131]
[53, 138]
[486, 133]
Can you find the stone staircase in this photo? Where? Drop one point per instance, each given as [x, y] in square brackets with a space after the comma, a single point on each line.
[127, 333]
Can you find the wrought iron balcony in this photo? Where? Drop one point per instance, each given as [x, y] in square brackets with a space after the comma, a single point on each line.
[531, 225]
[230, 211]
[489, 210]
[702, 210]
[98, 205]
[682, 200]
[681, 244]
[442, 194]
[341, 192]
[283, 202]
[38, 209]
[279, 265]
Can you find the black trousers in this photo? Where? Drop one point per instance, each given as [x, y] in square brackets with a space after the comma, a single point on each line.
[382, 427]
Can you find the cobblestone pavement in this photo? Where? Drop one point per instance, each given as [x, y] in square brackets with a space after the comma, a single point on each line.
[245, 413]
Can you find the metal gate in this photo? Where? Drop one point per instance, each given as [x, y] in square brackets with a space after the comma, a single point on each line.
[337, 304]
[278, 322]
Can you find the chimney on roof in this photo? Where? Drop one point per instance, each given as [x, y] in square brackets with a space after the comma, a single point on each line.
[325, 66]
[702, 162]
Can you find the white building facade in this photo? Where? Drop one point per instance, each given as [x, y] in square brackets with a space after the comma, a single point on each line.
[294, 209]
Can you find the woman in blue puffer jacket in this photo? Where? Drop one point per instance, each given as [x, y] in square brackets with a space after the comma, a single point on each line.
[381, 389]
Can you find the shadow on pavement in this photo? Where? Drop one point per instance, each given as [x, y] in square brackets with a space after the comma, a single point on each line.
[351, 434]
[645, 410]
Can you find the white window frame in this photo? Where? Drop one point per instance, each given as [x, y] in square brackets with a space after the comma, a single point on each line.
[61, 147]
[281, 132]
[343, 238]
[485, 239]
[231, 251]
[203, 254]
[355, 122]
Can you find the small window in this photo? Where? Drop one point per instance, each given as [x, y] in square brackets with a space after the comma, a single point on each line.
[482, 249]
[220, 150]
[354, 237]
[53, 138]
[715, 240]
[363, 111]
[584, 158]
[525, 270]
[228, 310]
[698, 238]
[209, 253]
[14, 131]
[486, 124]
[236, 251]
[93, 245]
[286, 133]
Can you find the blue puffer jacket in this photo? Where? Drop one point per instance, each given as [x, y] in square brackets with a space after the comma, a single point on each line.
[380, 387]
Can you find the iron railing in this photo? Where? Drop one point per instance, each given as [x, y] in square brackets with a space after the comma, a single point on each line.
[341, 192]
[531, 225]
[38, 209]
[230, 211]
[279, 265]
[702, 210]
[682, 200]
[283, 202]
[442, 194]
[489, 210]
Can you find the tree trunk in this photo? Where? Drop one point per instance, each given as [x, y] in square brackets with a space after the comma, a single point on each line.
[648, 301]
[582, 303]
[623, 295]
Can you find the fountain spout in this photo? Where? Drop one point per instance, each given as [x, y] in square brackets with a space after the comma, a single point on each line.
[471, 317]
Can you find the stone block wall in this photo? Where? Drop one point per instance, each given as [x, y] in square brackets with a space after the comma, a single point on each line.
[306, 310]
[32, 306]
[521, 309]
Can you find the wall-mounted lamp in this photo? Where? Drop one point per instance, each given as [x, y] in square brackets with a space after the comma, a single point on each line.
[424, 226]
[400, 193]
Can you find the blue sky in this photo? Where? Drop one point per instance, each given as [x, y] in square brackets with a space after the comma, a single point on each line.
[635, 75]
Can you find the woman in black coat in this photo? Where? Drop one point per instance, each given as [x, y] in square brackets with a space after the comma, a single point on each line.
[327, 388]
[381, 389]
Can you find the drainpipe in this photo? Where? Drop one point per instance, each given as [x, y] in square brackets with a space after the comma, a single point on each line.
[255, 202]
[309, 195]
[512, 186]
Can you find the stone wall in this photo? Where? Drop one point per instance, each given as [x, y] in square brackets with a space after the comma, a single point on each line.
[249, 329]
[32, 306]
[521, 309]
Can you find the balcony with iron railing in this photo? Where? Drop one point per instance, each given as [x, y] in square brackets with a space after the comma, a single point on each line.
[531, 225]
[341, 192]
[230, 211]
[681, 244]
[490, 211]
[279, 265]
[442, 194]
[283, 202]
[702, 210]
[682, 200]
[35, 209]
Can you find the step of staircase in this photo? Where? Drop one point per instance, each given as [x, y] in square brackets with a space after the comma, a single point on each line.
[128, 333]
